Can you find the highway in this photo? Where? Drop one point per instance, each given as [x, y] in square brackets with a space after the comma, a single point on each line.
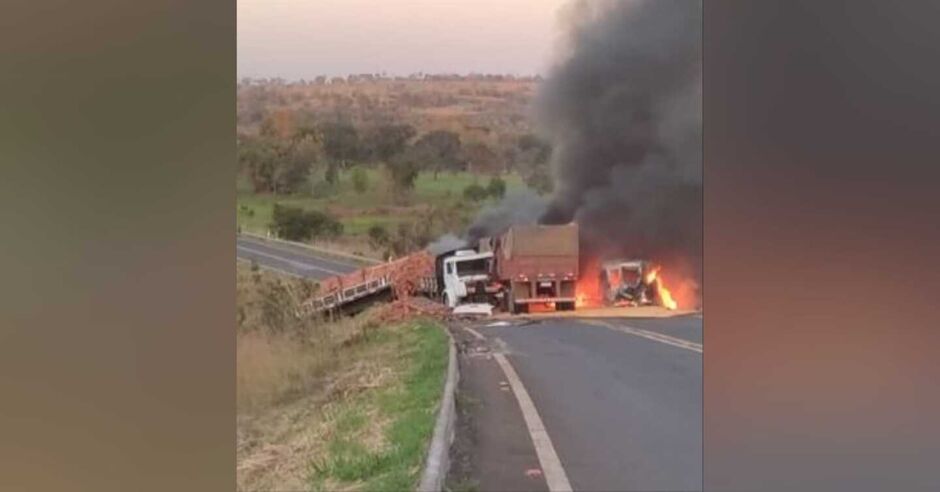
[289, 259]
[618, 399]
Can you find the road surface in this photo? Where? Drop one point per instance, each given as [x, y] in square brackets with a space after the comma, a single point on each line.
[291, 260]
[620, 400]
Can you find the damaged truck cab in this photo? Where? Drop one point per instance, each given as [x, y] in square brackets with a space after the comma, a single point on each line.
[465, 276]
[627, 282]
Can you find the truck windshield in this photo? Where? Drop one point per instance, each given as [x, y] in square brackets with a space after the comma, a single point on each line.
[630, 275]
[473, 267]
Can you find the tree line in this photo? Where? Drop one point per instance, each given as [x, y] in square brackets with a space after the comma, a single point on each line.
[283, 156]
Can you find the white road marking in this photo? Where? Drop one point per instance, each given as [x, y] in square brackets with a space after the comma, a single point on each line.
[651, 335]
[271, 268]
[555, 475]
[304, 266]
[474, 333]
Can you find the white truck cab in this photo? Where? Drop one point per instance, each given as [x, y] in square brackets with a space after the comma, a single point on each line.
[465, 273]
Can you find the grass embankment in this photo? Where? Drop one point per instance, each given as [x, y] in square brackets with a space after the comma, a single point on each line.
[376, 206]
[348, 405]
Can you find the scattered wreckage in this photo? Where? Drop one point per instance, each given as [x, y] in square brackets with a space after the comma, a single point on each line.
[527, 266]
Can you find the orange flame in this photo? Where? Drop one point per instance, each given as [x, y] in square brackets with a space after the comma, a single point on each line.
[588, 289]
[665, 297]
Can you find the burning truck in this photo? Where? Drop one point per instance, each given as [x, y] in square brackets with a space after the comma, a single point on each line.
[634, 283]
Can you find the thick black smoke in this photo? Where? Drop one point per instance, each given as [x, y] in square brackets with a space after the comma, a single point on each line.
[623, 113]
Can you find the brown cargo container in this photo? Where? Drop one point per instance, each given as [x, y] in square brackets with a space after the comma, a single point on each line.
[536, 265]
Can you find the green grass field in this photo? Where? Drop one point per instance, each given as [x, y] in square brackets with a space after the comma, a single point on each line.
[359, 211]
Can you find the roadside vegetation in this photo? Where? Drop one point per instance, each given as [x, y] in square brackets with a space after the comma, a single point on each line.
[379, 166]
[341, 405]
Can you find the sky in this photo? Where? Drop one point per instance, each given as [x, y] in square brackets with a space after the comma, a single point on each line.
[296, 39]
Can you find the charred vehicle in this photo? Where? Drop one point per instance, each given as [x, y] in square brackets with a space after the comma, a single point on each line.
[629, 282]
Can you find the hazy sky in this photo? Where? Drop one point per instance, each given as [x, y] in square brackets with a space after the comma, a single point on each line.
[305, 38]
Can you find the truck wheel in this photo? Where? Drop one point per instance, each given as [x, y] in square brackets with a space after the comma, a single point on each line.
[520, 308]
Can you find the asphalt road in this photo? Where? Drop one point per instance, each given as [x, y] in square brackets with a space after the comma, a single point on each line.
[621, 400]
[289, 259]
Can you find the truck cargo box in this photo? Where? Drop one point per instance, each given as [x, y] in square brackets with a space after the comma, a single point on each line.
[538, 264]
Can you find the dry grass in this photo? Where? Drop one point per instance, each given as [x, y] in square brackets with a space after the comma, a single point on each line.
[314, 393]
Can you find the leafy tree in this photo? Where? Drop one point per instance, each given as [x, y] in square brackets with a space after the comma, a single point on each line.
[276, 165]
[388, 140]
[532, 162]
[340, 142]
[539, 179]
[403, 170]
[296, 224]
[481, 158]
[258, 159]
[440, 150]
[378, 236]
[279, 125]
[360, 180]
[332, 173]
[475, 192]
[496, 188]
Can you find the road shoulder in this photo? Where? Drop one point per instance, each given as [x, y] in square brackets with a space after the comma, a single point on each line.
[492, 449]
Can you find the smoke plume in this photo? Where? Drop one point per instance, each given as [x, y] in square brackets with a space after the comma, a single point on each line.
[518, 207]
[446, 243]
[623, 112]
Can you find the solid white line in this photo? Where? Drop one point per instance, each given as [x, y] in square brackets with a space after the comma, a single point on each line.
[305, 266]
[474, 333]
[554, 473]
[658, 337]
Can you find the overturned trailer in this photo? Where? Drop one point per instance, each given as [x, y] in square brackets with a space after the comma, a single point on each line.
[535, 264]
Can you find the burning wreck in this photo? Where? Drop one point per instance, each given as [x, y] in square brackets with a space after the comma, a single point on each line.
[634, 283]
[622, 113]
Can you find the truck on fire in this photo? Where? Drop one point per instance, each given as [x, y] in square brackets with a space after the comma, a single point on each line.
[535, 265]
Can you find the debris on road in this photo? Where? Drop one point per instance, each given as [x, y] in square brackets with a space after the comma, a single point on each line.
[406, 307]
[480, 309]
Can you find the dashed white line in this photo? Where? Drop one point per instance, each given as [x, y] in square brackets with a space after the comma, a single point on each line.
[554, 473]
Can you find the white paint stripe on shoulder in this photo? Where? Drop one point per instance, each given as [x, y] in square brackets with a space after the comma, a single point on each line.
[554, 473]
[651, 335]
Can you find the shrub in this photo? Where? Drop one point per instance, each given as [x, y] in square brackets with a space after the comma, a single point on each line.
[378, 236]
[360, 180]
[496, 188]
[475, 192]
[297, 224]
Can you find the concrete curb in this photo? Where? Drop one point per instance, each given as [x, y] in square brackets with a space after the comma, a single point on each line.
[437, 463]
[328, 252]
